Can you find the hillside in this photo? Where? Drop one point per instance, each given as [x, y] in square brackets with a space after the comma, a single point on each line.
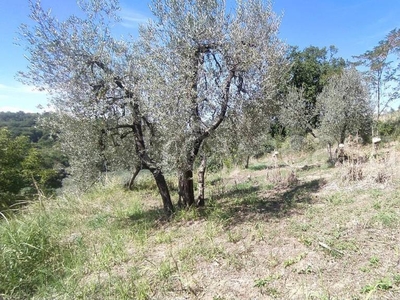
[292, 228]
[21, 123]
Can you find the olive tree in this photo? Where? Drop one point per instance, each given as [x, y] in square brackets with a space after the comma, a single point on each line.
[210, 63]
[344, 106]
[161, 96]
[295, 112]
[95, 83]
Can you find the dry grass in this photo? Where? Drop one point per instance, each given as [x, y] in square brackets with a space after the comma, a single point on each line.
[321, 236]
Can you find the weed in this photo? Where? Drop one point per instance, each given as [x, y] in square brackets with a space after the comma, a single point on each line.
[383, 285]
[98, 221]
[365, 269]
[234, 237]
[339, 199]
[262, 282]
[295, 260]
[164, 237]
[307, 241]
[387, 218]
[166, 269]
[376, 194]
[307, 270]
[235, 261]
[374, 261]
[377, 205]
[396, 279]
[263, 285]
[260, 231]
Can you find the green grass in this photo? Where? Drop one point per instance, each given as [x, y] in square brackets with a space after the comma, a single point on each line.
[32, 257]
[256, 238]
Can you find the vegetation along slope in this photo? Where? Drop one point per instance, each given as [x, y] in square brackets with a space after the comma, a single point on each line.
[205, 159]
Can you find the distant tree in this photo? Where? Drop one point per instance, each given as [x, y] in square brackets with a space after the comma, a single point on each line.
[12, 154]
[310, 71]
[381, 73]
[344, 106]
[21, 123]
[163, 95]
[21, 167]
[296, 114]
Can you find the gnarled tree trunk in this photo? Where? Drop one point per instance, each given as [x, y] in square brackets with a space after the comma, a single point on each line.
[186, 189]
[129, 184]
[246, 166]
[147, 161]
[201, 182]
[163, 190]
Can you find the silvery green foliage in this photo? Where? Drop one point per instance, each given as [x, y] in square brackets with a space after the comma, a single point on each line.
[91, 150]
[295, 114]
[344, 106]
[94, 83]
[191, 67]
[209, 62]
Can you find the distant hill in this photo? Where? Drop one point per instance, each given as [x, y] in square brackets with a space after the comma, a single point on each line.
[21, 123]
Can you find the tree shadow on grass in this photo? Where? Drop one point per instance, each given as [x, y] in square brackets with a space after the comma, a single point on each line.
[149, 218]
[243, 202]
[260, 167]
[248, 203]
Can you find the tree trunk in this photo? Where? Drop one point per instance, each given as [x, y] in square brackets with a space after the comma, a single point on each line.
[180, 189]
[186, 188]
[201, 186]
[129, 184]
[163, 190]
[329, 148]
[147, 162]
[246, 166]
[343, 135]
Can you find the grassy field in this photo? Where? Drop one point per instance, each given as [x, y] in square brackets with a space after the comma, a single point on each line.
[296, 228]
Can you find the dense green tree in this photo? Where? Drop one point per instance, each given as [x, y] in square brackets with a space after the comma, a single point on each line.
[21, 123]
[310, 71]
[23, 170]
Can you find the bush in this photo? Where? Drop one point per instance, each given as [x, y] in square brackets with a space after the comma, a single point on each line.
[389, 128]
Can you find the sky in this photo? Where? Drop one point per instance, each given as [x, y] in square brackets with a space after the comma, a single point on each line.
[353, 26]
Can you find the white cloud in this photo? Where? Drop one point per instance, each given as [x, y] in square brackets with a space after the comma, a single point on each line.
[25, 89]
[131, 18]
[21, 97]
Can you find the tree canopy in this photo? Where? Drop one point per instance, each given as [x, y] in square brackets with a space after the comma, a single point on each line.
[344, 106]
[154, 100]
[382, 72]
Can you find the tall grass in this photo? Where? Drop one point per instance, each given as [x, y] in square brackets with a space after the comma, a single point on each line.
[30, 256]
[109, 243]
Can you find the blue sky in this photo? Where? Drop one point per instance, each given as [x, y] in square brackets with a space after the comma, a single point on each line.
[353, 26]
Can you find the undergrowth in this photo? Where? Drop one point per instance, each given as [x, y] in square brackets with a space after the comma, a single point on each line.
[258, 236]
